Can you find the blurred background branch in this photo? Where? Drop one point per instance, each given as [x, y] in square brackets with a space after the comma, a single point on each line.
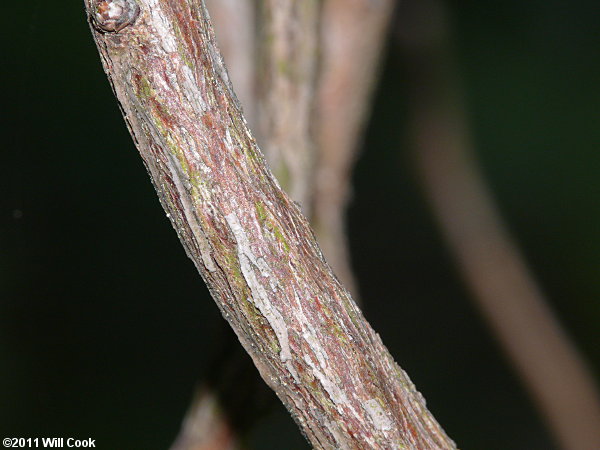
[353, 36]
[502, 286]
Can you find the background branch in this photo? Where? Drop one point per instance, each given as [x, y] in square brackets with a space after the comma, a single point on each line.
[235, 29]
[352, 39]
[287, 48]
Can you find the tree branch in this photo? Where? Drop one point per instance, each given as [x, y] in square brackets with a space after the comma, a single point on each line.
[208, 423]
[248, 240]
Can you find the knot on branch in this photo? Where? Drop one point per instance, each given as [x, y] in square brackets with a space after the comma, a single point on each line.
[112, 16]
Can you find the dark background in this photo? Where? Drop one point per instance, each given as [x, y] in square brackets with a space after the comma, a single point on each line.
[104, 323]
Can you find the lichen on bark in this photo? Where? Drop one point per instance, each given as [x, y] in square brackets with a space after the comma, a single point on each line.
[306, 336]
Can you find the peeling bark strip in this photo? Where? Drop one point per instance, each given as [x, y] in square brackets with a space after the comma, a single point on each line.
[251, 244]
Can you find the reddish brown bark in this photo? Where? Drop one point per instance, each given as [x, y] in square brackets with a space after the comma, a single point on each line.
[249, 241]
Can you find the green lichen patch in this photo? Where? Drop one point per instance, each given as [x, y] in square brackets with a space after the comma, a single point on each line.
[143, 88]
[178, 152]
[181, 50]
[268, 222]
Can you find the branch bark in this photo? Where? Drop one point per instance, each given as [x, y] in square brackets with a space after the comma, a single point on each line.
[208, 422]
[248, 240]
[290, 66]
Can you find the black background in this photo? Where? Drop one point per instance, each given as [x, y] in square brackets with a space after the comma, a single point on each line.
[104, 323]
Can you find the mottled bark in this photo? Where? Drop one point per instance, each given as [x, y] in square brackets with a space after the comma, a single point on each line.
[316, 68]
[248, 240]
[352, 37]
[208, 422]
[296, 52]
[503, 287]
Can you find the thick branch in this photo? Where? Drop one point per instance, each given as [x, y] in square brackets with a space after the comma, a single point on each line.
[249, 241]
